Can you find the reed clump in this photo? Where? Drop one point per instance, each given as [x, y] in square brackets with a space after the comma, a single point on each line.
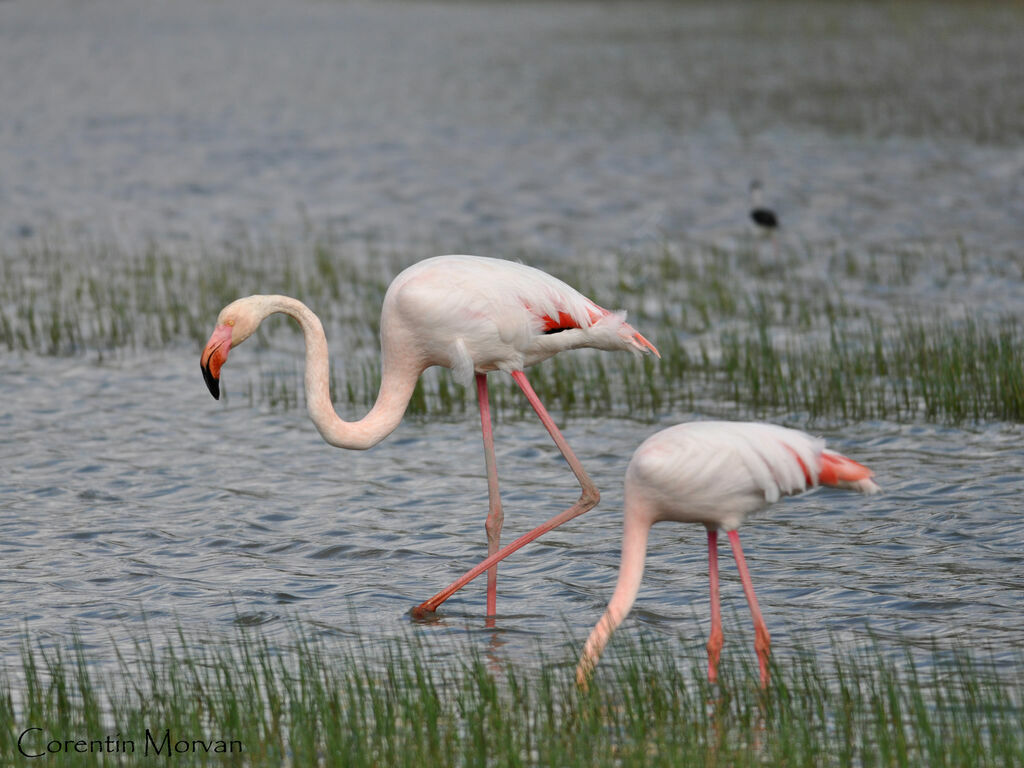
[314, 702]
[822, 332]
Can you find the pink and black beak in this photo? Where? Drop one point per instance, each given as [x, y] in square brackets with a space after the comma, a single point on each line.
[214, 356]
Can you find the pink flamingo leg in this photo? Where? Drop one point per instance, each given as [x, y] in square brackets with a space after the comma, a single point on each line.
[715, 639]
[762, 640]
[589, 497]
[495, 515]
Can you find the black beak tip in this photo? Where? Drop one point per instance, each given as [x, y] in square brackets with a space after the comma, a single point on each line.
[212, 382]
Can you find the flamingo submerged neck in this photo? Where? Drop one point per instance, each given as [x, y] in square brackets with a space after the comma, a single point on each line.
[636, 530]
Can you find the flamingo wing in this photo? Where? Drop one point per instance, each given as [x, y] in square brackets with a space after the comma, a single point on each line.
[718, 472]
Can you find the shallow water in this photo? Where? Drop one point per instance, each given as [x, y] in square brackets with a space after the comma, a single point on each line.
[130, 495]
[127, 495]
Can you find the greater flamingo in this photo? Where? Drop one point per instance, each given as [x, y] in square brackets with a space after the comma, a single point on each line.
[715, 473]
[467, 313]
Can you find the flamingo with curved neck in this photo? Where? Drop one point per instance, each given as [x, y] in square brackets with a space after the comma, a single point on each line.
[468, 313]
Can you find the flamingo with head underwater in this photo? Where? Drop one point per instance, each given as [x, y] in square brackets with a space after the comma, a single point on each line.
[468, 313]
[715, 473]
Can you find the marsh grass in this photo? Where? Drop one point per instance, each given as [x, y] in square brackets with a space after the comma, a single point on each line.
[814, 332]
[320, 701]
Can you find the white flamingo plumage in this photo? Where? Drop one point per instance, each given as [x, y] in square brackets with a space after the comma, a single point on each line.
[715, 473]
[467, 313]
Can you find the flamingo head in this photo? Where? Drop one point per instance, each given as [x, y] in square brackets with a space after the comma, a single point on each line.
[235, 323]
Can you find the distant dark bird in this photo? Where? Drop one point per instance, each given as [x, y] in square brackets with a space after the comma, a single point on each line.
[763, 217]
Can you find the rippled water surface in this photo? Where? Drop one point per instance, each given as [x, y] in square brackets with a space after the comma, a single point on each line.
[128, 495]
[544, 126]
[135, 496]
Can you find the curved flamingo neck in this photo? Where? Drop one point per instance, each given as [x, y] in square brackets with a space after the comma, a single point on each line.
[631, 570]
[396, 386]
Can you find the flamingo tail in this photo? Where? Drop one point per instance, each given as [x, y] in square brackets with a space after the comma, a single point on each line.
[840, 472]
[615, 321]
[642, 343]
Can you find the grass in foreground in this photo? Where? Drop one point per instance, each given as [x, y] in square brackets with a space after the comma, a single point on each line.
[311, 704]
